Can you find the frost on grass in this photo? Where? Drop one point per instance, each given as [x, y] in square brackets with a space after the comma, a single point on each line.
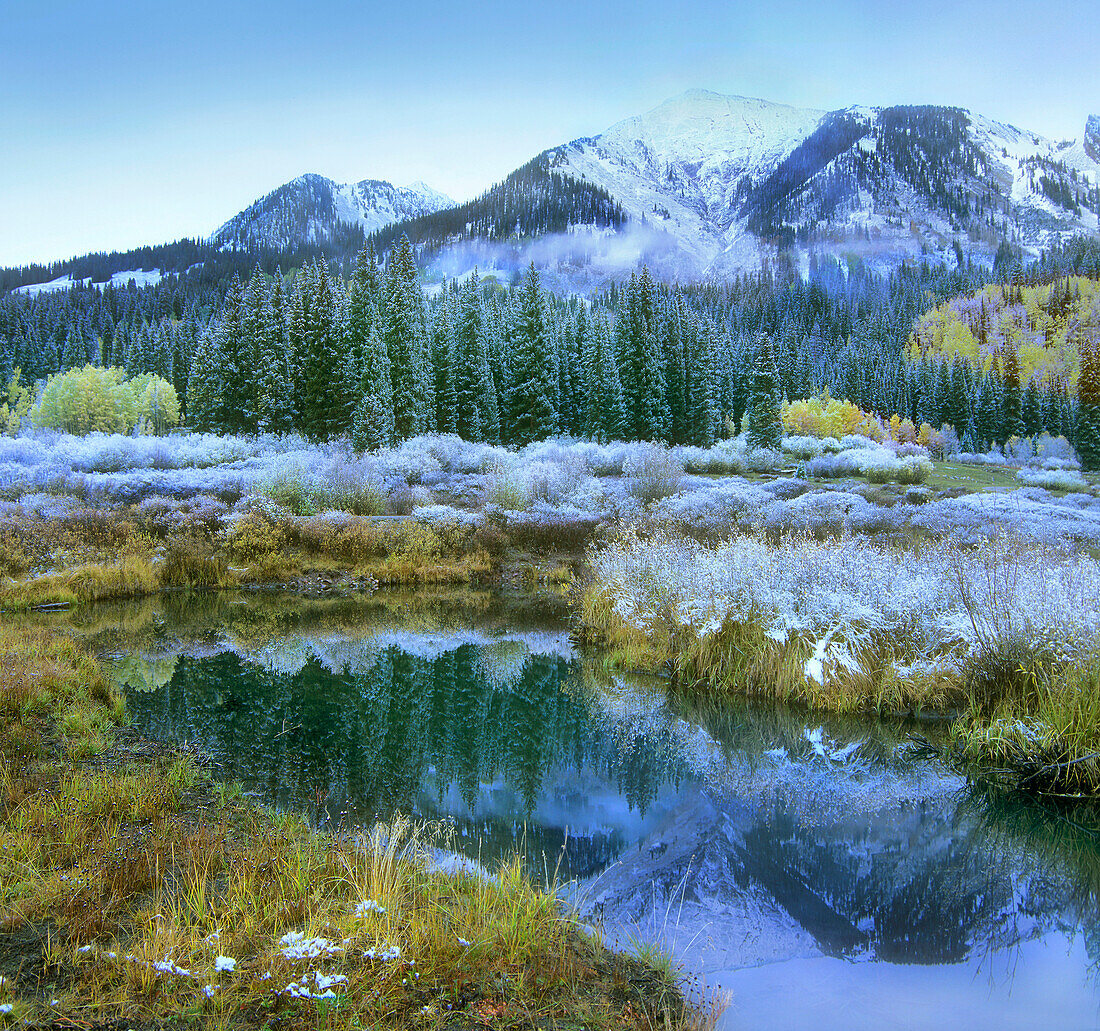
[224, 964]
[369, 906]
[201, 479]
[322, 988]
[933, 605]
[295, 945]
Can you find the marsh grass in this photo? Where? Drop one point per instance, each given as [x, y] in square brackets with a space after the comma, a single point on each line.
[1001, 636]
[105, 555]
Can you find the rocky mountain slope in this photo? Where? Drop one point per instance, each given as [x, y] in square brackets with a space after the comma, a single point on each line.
[307, 209]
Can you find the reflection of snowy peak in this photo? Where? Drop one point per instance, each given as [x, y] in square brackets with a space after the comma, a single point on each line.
[307, 210]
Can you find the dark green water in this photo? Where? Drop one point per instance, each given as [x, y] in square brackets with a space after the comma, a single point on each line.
[814, 870]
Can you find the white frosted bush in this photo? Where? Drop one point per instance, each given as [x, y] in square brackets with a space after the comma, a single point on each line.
[654, 472]
[1052, 479]
[802, 448]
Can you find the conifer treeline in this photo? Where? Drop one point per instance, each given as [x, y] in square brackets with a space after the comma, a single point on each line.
[363, 351]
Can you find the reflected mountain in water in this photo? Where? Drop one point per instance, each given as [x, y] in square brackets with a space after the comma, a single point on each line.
[738, 835]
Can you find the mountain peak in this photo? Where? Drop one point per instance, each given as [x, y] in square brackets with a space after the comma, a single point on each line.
[309, 207]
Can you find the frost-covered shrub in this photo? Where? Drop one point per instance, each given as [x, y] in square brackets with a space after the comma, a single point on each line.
[1052, 479]
[911, 450]
[802, 448]
[726, 458]
[505, 489]
[913, 469]
[832, 467]
[553, 481]
[838, 596]
[447, 514]
[654, 471]
[402, 499]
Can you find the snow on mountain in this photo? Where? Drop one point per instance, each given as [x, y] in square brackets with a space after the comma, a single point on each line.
[713, 185]
[307, 210]
[119, 280]
[65, 282]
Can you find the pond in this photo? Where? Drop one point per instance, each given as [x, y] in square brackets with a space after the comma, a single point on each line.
[814, 869]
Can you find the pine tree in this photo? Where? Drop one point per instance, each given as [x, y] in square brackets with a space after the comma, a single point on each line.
[989, 412]
[1031, 409]
[1013, 423]
[1088, 406]
[765, 427]
[245, 368]
[204, 385]
[403, 332]
[372, 421]
[705, 416]
[272, 391]
[236, 363]
[604, 415]
[472, 379]
[324, 411]
[444, 369]
[641, 361]
[531, 412]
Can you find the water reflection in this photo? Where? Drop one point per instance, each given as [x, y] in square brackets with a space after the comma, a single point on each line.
[745, 838]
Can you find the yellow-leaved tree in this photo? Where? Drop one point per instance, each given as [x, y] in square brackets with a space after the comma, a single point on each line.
[94, 399]
[15, 403]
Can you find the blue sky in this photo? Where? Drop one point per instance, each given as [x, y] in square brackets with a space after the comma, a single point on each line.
[130, 123]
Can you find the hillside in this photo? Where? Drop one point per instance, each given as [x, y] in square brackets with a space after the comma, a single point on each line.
[1045, 327]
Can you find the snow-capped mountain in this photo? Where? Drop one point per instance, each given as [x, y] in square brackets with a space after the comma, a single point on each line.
[729, 179]
[307, 210]
[709, 185]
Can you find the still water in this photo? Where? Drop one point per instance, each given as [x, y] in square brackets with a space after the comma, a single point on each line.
[813, 870]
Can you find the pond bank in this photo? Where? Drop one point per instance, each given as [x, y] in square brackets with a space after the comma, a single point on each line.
[136, 885]
[1002, 637]
[753, 842]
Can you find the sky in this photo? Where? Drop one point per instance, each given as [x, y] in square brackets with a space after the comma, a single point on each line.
[130, 123]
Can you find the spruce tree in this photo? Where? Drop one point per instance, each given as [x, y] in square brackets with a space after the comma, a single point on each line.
[989, 412]
[403, 332]
[204, 385]
[705, 416]
[443, 369]
[1031, 409]
[765, 427]
[604, 415]
[1013, 423]
[1088, 407]
[472, 379]
[324, 389]
[641, 362]
[372, 421]
[531, 412]
[245, 372]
